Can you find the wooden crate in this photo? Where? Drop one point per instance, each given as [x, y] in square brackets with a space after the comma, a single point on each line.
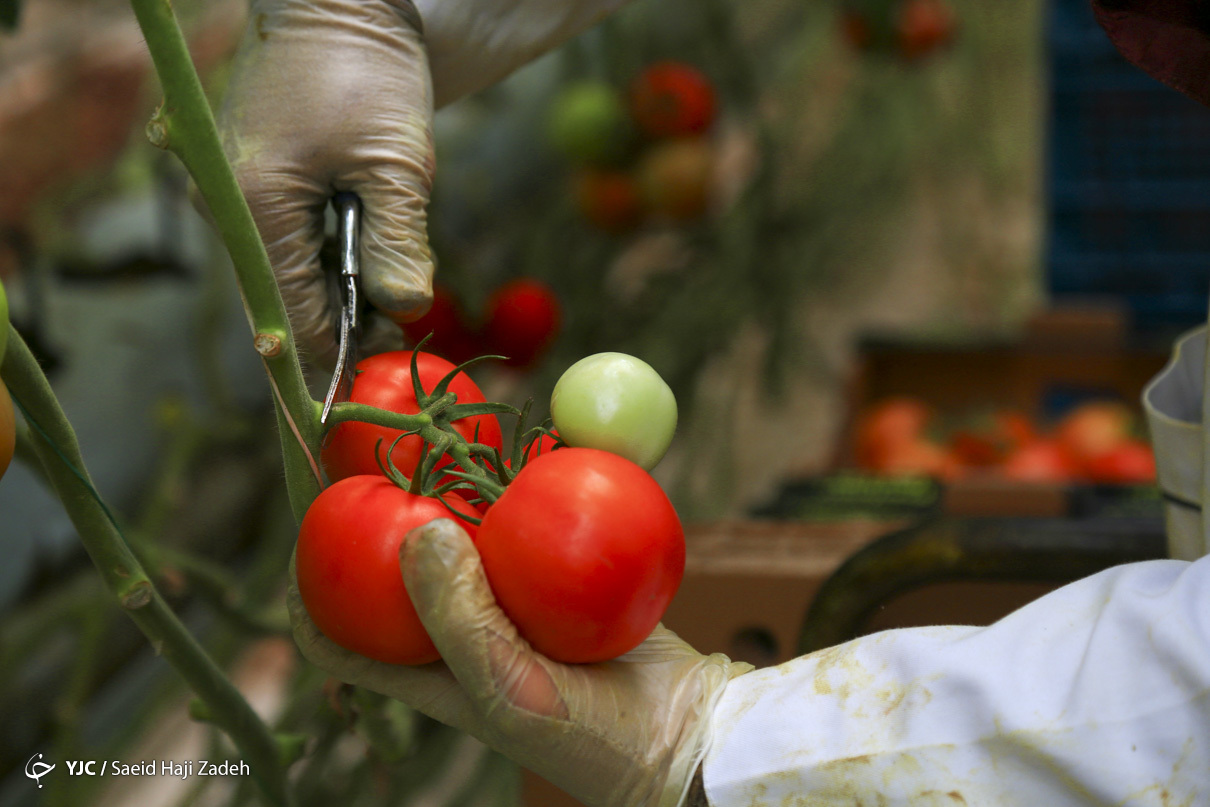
[1064, 357]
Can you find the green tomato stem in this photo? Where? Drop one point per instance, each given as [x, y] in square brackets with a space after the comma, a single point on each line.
[362, 413]
[184, 124]
[124, 575]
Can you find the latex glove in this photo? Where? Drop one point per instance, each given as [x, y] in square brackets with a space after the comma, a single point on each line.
[631, 731]
[335, 95]
[473, 44]
[326, 96]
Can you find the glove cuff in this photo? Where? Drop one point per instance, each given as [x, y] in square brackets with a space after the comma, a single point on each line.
[717, 672]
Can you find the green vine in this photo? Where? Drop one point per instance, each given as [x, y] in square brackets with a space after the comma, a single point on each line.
[184, 125]
[55, 445]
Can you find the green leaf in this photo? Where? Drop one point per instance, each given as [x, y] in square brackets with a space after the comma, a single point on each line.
[444, 384]
[459, 411]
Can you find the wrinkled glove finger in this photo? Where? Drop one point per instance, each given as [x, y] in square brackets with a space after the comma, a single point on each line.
[329, 96]
[502, 675]
[475, 43]
[430, 688]
[389, 162]
[396, 264]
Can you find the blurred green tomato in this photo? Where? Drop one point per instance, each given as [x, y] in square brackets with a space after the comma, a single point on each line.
[588, 123]
[615, 402]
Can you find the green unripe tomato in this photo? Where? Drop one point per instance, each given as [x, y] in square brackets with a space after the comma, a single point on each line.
[588, 123]
[616, 403]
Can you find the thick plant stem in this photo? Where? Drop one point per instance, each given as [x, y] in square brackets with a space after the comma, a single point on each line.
[349, 411]
[55, 443]
[184, 124]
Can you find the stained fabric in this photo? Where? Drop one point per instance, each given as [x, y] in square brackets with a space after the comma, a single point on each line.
[1096, 694]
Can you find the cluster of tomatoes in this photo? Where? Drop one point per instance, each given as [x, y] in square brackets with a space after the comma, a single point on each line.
[581, 547]
[913, 29]
[521, 322]
[8, 422]
[645, 153]
[1095, 442]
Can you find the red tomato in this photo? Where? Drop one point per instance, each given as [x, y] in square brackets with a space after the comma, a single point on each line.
[452, 338]
[1040, 461]
[544, 444]
[671, 99]
[924, 26]
[975, 448]
[1014, 429]
[1128, 463]
[523, 318]
[1092, 429]
[8, 428]
[385, 381]
[347, 561]
[583, 552]
[988, 439]
[609, 199]
[887, 424]
[856, 30]
[919, 457]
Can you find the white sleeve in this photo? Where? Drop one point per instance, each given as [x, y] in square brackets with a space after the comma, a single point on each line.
[1096, 694]
[475, 43]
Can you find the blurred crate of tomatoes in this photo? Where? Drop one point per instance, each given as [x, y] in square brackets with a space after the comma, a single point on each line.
[1044, 424]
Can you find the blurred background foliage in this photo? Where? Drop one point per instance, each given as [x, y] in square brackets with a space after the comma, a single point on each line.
[851, 188]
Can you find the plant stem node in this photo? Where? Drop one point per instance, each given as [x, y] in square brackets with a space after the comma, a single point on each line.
[157, 132]
[267, 344]
[138, 596]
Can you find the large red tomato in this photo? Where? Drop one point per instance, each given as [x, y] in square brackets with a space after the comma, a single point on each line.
[385, 381]
[583, 552]
[347, 562]
[671, 99]
[523, 318]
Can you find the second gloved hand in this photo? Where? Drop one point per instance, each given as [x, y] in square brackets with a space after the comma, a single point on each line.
[327, 96]
[621, 733]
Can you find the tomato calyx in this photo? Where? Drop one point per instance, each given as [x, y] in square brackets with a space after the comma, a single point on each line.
[496, 473]
[478, 472]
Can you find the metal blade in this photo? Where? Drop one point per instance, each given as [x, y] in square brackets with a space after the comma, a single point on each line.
[348, 214]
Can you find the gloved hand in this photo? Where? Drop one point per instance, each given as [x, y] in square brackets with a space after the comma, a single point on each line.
[335, 95]
[631, 731]
[326, 96]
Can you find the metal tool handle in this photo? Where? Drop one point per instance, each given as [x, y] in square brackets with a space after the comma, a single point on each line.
[348, 230]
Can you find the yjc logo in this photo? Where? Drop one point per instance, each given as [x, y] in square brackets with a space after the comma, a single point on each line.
[36, 770]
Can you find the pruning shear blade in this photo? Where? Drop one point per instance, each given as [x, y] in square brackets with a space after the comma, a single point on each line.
[348, 228]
